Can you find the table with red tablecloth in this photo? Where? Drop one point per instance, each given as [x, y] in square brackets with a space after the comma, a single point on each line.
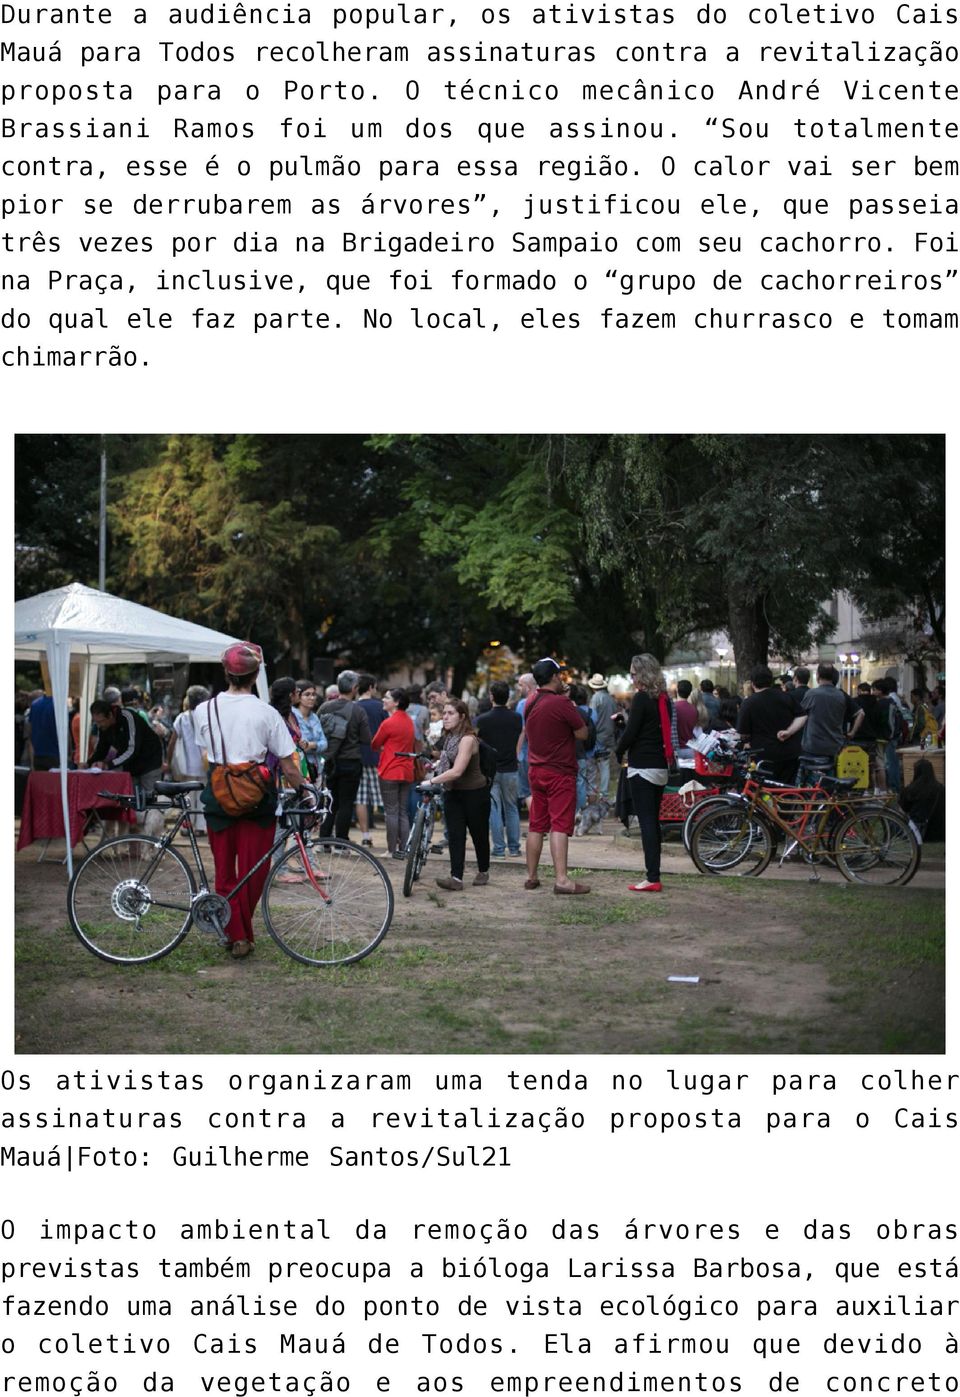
[43, 808]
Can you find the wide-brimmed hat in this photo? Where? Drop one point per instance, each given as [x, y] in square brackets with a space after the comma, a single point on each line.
[242, 658]
[596, 681]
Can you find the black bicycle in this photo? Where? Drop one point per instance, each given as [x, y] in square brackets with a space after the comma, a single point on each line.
[421, 833]
[326, 902]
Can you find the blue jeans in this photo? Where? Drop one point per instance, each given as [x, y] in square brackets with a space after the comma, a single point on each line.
[891, 761]
[581, 783]
[523, 777]
[504, 813]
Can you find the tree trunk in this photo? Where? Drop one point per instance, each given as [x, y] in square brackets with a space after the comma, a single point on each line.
[936, 617]
[749, 632]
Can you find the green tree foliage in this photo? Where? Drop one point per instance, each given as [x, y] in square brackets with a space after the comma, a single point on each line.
[57, 492]
[507, 517]
[209, 533]
[481, 503]
[754, 533]
[423, 549]
[899, 561]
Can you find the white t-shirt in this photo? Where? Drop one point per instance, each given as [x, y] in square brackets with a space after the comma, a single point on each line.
[656, 775]
[251, 729]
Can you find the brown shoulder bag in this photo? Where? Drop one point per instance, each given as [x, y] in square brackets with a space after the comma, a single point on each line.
[238, 787]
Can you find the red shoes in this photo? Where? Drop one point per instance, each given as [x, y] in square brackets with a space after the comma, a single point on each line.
[646, 887]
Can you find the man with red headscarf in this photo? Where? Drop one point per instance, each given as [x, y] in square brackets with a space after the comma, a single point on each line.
[237, 726]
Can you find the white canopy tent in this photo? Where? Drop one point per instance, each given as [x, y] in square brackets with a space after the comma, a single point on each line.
[93, 628]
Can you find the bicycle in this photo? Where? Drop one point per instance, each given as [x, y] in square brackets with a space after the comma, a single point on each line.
[326, 902]
[866, 841]
[741, 761]
[421, 833]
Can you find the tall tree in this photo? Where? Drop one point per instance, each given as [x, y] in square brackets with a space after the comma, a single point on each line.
[755, 533]
[899, 558]
[205, 533]
[57, 491]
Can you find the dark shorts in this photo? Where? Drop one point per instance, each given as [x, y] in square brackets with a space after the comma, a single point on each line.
[553, 805]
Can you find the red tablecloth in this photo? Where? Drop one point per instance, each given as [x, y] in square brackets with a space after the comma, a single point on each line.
[43, 811]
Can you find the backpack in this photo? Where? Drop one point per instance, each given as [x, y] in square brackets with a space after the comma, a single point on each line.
[488, 760]
[902, 722]
[335, 727]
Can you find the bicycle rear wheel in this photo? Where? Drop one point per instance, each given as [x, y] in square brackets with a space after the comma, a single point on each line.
[337, 917]
[129, 901]
[876, 847]
[731, 841]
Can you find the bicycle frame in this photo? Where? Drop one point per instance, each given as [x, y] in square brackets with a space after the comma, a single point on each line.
[168, 837]
[813, 802]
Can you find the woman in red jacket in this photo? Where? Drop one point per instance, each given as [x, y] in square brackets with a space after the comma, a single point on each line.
[395, 734]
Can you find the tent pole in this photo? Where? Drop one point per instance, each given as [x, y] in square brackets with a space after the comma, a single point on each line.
[102, 564]
[102, 573]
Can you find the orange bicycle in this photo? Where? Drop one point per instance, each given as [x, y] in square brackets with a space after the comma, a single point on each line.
[867, 841]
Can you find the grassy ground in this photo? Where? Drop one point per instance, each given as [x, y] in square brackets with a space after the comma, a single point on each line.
[784, 967]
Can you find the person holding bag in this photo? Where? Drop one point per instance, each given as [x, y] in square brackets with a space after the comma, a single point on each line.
[237, 730]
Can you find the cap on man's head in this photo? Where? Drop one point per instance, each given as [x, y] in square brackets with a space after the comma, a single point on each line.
[596, 681]
[545, 670]
[242, 658]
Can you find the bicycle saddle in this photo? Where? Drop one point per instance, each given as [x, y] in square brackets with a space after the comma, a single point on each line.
[173, 788]
[838, 783]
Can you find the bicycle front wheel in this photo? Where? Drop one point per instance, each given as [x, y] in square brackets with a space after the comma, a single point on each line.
[337, 916]
[418, 847]
[129, 901]
[703, 807]
[731, 841]
[877, 847]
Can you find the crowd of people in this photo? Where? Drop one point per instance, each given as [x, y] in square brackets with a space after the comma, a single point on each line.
[543, 749]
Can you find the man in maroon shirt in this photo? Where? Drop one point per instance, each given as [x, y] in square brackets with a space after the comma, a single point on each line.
[553, 726]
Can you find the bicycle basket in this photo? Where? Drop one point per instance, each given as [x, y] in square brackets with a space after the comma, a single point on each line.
[703, 767]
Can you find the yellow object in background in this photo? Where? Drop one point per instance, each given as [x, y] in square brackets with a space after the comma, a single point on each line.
[853, 761]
